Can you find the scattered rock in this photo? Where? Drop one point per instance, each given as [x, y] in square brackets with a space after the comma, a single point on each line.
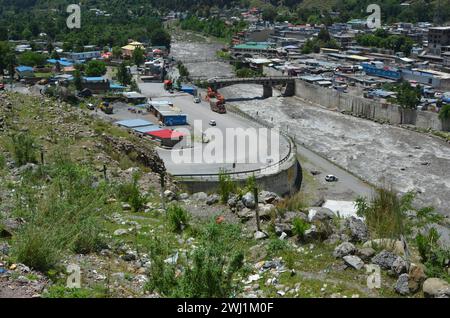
[436, 288]
[289, 216]
[416, 277]
[265, 211]
[249, 200]
[401, 286]
[4, 249]
[365, 253]
[212, 199]
[183, 196]
[320, 214]
[258, 252]
[259, 235]
[394, 246]
[283, 228]
[232, 201]
[399, 266]
[126, 207]
[283, 236]
[268, 197]
[385, 259]
[357, 229]
[170, 195]
[120, 232]
[354, 261]
[245, 214]
[199, 196]
[129, 256]
[10, 226]
[344, 249]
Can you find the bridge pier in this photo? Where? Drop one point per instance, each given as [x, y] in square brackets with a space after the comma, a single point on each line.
[267, 91]
[290, 89]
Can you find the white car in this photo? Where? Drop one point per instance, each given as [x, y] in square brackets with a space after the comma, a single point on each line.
[197, 100]
[331, 178]
[212, 122]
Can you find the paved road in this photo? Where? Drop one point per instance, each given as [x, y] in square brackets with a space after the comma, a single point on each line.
[199, 115]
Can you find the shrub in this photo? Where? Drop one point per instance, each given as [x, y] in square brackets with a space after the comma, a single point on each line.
[276, 245]
[226, 186]
[2, 162]
[444, 113]
[177, 217]
[24, 149]
[433, 256]
[385, 214]
[299, 226]
[293, 203]
[66, 215]
[210, 271]
[130, 193]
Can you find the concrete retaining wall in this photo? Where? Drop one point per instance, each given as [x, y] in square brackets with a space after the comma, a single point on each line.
[285, 182]
[367, 108]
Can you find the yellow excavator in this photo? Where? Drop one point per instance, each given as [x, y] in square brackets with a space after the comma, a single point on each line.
[106, 107]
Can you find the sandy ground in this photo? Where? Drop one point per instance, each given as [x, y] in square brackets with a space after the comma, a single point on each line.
[379, 154]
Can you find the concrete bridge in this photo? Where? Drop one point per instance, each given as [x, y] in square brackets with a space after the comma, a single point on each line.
[266, 82]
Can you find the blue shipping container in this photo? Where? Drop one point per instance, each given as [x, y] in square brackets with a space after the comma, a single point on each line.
[175, 120]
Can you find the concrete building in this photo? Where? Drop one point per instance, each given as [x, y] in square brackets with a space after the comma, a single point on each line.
[438, 40]
[435, 79]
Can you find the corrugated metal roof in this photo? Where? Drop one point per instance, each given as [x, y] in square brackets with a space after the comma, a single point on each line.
[132, 123]
[147, 129]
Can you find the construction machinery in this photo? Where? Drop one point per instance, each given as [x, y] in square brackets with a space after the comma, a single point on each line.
[168, 85]
[106, 107]
[216, 101]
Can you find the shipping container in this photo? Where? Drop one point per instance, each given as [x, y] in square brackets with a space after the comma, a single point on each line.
[174, 119]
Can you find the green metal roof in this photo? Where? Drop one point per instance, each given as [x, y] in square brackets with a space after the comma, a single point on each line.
[253, 46]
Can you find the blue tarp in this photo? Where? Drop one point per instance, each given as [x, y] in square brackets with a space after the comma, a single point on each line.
[94, 79]
[132, 123]
[62, 62]
[23, 68]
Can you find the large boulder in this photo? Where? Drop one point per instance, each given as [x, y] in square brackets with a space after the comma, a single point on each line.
[344, 249]
[356, 229]
[265, 210]
[199, 196]
[268, 197]
[212, 199]
[436, 288]
[395, 246]
[9, 226]
[246, 214]
[320, 214]
[384, 259]
[399, 266]
[249, 200]
[283, 227]
[416, 277]
[289, 216]
[170, 195]
[402, 285]
[353, 261]
[366, 253]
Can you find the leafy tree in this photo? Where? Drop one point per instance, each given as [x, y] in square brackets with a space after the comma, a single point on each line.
[116, 52]
[77, 80]
[444, 113]
[32, 59]
[95, 68]
[138, 56]
[408, 97]
[269, 14]
[160, 37]
[123, 75]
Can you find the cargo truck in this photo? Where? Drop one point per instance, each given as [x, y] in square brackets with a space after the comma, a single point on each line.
[217, 106]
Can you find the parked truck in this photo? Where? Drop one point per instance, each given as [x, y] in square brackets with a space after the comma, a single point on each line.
[217, 105]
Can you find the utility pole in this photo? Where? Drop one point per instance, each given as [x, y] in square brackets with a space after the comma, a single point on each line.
[255, 194]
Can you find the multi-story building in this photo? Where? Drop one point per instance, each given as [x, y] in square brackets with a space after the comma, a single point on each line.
[438, 40]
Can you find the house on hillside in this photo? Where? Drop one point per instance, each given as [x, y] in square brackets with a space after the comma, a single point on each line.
[128, 50]
[24, 72]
